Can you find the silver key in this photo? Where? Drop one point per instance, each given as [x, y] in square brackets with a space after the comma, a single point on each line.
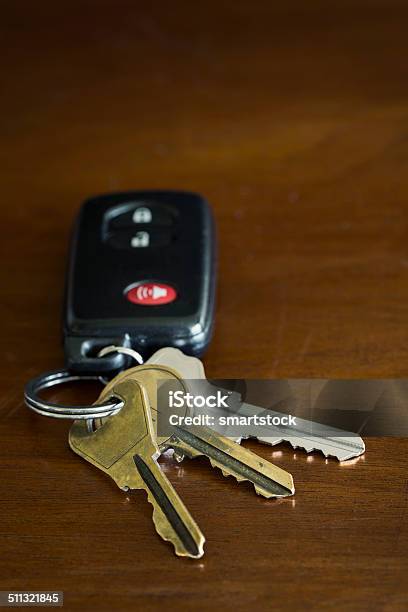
[308, 435]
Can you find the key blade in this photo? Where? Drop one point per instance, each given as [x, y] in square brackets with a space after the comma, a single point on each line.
[233, 460]
[172, 520]
[308, 435]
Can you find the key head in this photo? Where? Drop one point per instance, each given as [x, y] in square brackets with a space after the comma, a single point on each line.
[129, 429]
[189, 368]
[151, 377]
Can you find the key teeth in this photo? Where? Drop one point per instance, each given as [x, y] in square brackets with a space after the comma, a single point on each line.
[326, 454]
[258, 490]
[179, 550]
[226, 474]
[262, 493]
[310, 449]
[215, 464]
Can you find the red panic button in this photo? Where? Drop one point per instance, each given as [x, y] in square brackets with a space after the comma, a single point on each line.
[151, 294]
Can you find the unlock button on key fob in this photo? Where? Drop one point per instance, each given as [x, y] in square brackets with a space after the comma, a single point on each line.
[140, 237]
[140, 240]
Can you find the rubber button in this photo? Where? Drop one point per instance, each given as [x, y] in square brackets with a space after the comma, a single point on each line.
[147, 214]
[151, 294]
[140, 237]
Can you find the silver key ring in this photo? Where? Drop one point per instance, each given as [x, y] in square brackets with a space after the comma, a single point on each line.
[57, 377]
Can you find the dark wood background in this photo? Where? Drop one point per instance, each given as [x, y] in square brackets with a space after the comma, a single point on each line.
[292, 119]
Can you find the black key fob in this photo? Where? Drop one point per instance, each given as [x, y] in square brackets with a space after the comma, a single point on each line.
[141, 274]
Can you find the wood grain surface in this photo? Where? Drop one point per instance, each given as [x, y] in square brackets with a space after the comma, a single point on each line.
[292, 119]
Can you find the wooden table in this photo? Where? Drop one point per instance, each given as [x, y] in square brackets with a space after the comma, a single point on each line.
[292, 119]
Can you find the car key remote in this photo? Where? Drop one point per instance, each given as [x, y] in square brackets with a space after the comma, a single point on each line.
[141, 274]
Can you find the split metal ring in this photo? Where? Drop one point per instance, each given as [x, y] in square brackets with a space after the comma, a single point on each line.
[58, 377]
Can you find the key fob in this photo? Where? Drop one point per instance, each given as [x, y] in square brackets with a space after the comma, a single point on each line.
[141, 274]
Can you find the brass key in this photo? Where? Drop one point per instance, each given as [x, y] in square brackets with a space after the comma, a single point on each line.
[231, 458]
[125, 448]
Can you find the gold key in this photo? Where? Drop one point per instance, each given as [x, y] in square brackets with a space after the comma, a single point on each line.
[125, 447]
[231, 458]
